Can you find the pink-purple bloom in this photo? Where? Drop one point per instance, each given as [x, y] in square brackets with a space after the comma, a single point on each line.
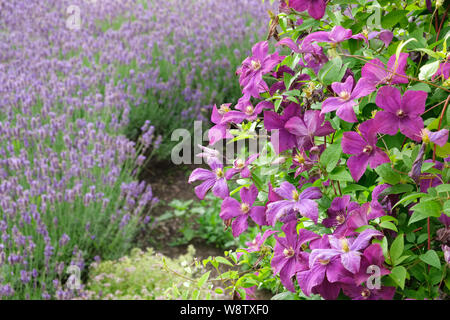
[253, 68]
[242, 167]
[394, 73]
[315, 8]
[294, 203]
[305, 128]
[289, 258]
[241, 211]
[213, 179]
[346, 98]
[363, 148]
[400, 113]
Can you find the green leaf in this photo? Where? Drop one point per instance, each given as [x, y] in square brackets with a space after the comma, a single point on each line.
[428, 70]
[340, 174]
[431, 258]
[331, 71]
[398, 274]
[392, 18]
[222, 260]
[397, 247]
[330, 157]
[387, 174]
[388, 225]
[410, 197]
[203, 279]
[424, 210]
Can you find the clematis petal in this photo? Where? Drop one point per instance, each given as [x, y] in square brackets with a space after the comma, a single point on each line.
[287, 272]
[398, 66]
[203, 188]
[363, 88]
[220, 189]
[351, 261]
[439, 137]
[201, 174]
[346, 86]
[352, 143]
[412, 128]
[249, 195]
[230, 208]
[311, 193]
[389, 99]
[286, 190]
[308, 208]
[276, 210]
[239, 225]
[296, 126]
[358, 165]
[374, 71]
[364, 238]
[386, 123]
[258, 214]
[378, 157]
[413, 103]
[346, 111]
[331, 104]
[317, 9]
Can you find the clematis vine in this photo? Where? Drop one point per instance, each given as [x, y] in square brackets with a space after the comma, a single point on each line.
[346, 99]
[363, 148]
[377, 73]
[294, 202]
[315, 8]
[288, 255]
[240, 166]
[240, 212]
[212, 179]
[253, 68]
[305, 128]
[400, 113]
[348, 249]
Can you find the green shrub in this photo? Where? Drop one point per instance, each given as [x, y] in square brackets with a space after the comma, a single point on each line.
[150, 276]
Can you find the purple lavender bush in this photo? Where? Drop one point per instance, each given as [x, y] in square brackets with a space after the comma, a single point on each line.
[68, 187]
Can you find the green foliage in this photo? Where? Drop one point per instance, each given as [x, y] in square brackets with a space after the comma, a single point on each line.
[149, 276]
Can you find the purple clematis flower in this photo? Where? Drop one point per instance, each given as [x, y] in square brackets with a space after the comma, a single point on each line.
[385, 36]
[348, 249]
[255, 245]
[364, 149]
[360, 217]
[253, 68]
[372, 256]
[439, 137]
[399, 112]
[288, 255]
[248, 111]
[443, 71]
[231, 208]
[220, 130]
[364, 293]
[345, 101]
[336, 35]
[323, 276]
[301, 161]
[316, 8]
[213, 179]
[294, 203]
[307, 127]
[377, 73]
[337, 214]
[284, 140]
[240, 166]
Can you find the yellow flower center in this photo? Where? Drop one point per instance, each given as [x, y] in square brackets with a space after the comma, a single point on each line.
[368, 149]
[295, 195]
[365, 293]
[340, 219]
[219, 173]
[289, 253]
[344, 244]
[256, 65]
[249, 110]
[425, 137]
[344, 95]
[324, 262]
[299, 158]
[401, 113]
[224, 109]
[245, 208]
[239, 164]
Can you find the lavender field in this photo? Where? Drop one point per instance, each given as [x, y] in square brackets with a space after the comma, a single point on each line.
[90, 92]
